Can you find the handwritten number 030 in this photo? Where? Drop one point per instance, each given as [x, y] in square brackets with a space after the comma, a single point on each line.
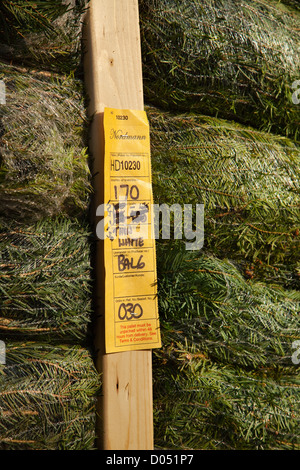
[130, 311]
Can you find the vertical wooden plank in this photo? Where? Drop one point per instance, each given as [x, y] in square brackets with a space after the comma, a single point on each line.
[113, 74]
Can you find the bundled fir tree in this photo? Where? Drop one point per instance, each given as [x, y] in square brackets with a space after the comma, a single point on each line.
[43, 155]
[47, 397]
[44, 34]
[48, 384]
[206, 301]
[225, 58]
[248, 182]
[224, 378]
[46, 281]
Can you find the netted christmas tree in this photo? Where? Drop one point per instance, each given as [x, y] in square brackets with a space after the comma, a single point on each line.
[207, 301]
[223, 58]
[220, 75]
[48, 383]
[247, 180]
[48, 397]
[44, 35]
[44, 167]
[46, 281]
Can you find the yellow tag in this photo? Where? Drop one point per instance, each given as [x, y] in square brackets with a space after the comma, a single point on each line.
[131, 310]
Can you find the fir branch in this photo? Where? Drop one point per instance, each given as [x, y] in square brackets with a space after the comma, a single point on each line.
[247, 180]
[202, 404]
[223, 58]
[44, 167]
[46, 285]
[43, 34]
[207, 302]
[48, 397]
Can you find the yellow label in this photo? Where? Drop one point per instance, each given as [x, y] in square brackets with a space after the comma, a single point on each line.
[131, 310]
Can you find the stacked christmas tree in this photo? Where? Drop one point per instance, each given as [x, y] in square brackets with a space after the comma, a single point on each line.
[227, 376]
[48, 382]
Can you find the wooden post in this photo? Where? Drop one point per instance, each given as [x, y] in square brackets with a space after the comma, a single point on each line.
[113, 75]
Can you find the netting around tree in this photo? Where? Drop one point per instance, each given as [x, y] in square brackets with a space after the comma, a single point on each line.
[44, 167]
[247, 180]
[206, 301]
[48, 383]
[46, 281]
[202, 405]
[47, 397]
[225, 58]
[292, 3]
[225, 376]
[44, 34]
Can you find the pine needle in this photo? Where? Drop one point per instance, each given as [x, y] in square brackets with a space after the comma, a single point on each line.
[43, 155]
[45, 281]
[235, 60]
[248, 182]
[206, 301]
[47, 397]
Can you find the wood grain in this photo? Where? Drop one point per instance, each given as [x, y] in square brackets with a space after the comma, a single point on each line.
[113, 75]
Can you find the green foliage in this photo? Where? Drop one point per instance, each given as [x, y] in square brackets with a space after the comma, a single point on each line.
[202, 405]
[48, 397]
[45, 281]
[43, 156]
[49, 384]
[223, 58]
[248, 182]
[224, 378]
[27, 16]
[293, 4]
[43, 34]
[205, 301]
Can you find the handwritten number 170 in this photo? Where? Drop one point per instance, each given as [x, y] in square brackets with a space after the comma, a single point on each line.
[128, 191]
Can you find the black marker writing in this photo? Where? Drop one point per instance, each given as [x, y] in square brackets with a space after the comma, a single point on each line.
[126, 263]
